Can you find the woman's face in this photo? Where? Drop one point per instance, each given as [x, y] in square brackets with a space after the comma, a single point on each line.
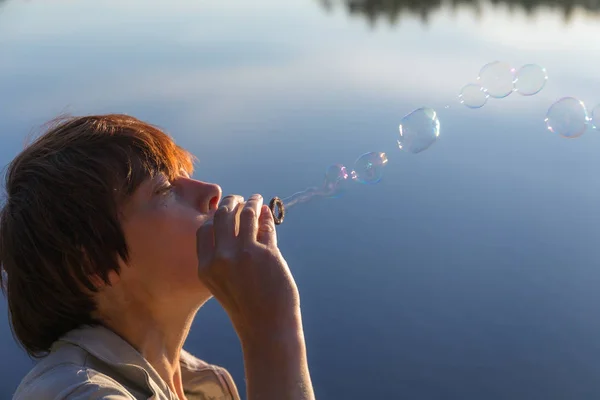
[160, 223]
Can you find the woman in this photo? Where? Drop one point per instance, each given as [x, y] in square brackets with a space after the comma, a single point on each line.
[108, 249]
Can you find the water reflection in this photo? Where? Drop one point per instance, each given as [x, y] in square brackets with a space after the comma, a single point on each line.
[475, 261]
[392, 10]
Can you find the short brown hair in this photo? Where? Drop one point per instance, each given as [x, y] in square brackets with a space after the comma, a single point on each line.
[60, 225]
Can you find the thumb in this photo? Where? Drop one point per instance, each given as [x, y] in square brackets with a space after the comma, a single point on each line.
[267, 234]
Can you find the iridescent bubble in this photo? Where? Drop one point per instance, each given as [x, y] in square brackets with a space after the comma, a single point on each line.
[368, 168]
[530, 79]
[336, 179]
[567, 117]
[596, 117]
[497, 79]
[418, 130]
[473, 96]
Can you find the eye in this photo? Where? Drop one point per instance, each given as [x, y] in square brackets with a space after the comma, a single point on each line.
[164, 189]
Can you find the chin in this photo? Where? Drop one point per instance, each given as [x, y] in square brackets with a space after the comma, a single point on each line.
[199, 293]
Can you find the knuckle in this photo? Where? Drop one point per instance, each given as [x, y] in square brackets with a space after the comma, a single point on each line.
[224, 257]
[231, 199]
[248, 213]
[267, 228]
[221, 211]
[226, 199]
[247, 254]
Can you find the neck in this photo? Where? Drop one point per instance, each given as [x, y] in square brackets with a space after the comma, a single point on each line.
[160, 344]
[158, 334]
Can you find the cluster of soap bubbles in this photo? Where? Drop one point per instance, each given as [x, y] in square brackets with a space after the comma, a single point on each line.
[418, 130]
[569, 117]
[499, 79]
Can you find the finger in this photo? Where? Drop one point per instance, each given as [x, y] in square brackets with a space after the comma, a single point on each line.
[266, 227]
[225, 221]
[205, 245]
[249, 219]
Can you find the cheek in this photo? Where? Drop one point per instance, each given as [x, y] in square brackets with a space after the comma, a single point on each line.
[164, 244]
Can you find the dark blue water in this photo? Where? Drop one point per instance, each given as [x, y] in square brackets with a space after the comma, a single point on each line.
[469, 272]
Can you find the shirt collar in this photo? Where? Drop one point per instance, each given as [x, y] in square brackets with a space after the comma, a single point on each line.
[197, 377]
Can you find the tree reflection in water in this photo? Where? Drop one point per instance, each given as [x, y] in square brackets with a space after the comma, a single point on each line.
[392, 10]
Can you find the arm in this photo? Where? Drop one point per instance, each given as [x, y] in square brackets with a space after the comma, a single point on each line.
[276, 366]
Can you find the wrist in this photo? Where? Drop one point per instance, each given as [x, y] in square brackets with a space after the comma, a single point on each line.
[275, 362]
[285, 331]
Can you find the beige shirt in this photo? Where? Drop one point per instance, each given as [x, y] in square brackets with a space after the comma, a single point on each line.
[96, 363]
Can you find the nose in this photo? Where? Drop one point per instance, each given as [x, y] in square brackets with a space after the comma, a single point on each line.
[204, 196]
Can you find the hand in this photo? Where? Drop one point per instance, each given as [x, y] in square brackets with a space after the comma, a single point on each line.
[241, 265]
[239, 262]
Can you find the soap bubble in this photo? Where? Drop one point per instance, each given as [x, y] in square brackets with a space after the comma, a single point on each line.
[497, 79]
[336, 179]
[530, 79]
[368, 168]
[473, 96]
[567, 117]
[596, 117]
[418, 130]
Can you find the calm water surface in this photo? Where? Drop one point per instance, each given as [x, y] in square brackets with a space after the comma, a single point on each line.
[469, 272]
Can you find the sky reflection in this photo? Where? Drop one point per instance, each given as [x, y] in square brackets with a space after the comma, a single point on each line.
[469, 272]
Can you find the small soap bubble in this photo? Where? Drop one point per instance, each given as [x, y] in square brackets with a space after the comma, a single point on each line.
[473, 96]
[336, 179]
[567, 117]
[530, 79]
[418, 130]
[497, 79]
[596, 117]
[368, 168]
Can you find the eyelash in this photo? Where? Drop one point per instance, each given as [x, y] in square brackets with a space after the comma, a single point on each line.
[164, 190]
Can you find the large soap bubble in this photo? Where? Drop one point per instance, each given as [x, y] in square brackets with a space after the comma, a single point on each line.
[497, 79]
[419, 130]
[567, 117]
[530, 79]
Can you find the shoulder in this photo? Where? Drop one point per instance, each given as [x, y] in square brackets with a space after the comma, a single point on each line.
[68, 378]
[210, 380]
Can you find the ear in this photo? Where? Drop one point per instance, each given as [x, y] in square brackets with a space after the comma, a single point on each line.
[114, 278]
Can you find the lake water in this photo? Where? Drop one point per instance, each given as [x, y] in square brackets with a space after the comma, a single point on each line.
[469, 272]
